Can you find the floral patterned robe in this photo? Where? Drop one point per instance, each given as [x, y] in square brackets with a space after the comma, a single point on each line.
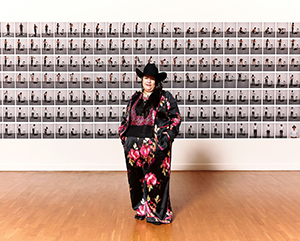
[148, 160]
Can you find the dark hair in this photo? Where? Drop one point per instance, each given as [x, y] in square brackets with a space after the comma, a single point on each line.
[153, 99]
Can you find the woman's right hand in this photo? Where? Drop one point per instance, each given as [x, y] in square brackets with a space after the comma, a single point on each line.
[123, 139]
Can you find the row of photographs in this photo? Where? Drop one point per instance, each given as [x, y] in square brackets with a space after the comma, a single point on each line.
[131, 80]
[149, 29]
[187, 130]
[89, 63]
[122, 96]
[126, 46]
[116, 113]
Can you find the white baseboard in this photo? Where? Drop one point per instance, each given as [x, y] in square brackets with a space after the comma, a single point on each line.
[174, 167]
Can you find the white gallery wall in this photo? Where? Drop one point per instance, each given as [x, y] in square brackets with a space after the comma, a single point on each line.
[206, 154]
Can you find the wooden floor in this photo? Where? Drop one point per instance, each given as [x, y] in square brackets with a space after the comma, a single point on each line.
[207, 205]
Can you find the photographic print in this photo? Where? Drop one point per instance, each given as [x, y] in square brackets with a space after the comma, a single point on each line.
[75, 79]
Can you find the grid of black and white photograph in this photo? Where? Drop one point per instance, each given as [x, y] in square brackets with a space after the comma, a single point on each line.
[74, 79]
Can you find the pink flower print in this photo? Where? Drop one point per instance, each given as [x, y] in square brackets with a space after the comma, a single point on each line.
[168, 105]
[148, 210]
[141, 210]
[120, 128]
[153, 114]
[134, 154]
[145, 151]
[139, 162]
[166, 163]
[175, 121]
[151, 179]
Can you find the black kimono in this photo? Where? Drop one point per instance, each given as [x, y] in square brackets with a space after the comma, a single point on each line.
[148, 158]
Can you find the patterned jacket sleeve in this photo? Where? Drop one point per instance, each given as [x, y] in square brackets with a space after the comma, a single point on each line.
[124, 120]
[174, 116]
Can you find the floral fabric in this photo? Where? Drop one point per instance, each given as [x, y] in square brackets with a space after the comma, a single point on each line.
[148, 160]
[148, 172]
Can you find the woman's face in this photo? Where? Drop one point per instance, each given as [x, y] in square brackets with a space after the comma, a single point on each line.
[148, 83]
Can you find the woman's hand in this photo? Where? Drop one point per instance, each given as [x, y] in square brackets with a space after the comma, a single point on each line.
[123, 139]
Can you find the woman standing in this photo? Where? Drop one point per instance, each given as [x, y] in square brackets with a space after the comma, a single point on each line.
[147, 132]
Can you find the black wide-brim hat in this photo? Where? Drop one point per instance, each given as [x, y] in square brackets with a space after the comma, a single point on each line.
[151, 69]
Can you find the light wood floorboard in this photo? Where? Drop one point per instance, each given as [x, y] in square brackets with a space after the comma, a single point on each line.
[93, 206]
